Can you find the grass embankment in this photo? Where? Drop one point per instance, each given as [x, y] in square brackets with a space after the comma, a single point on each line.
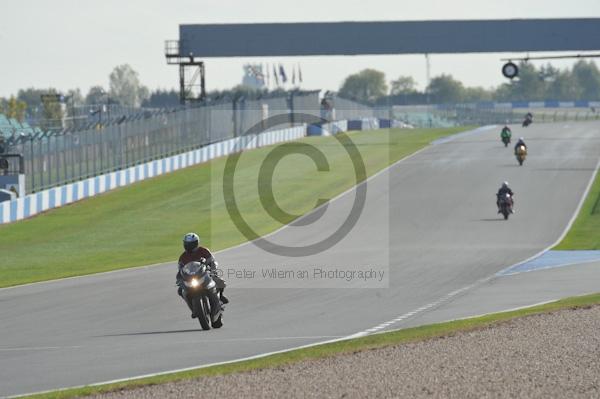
[337, 348]
[143, 223]
[585, 232]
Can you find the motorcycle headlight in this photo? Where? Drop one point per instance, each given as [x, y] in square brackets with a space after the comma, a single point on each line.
[195, 282]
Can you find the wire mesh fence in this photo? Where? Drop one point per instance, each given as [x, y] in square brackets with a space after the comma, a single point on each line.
[56, 159]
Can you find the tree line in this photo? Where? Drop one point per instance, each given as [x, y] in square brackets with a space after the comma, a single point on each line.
[546, 82]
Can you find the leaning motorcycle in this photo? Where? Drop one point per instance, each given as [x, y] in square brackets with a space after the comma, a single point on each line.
[201, 291]
[521, 154]
[505, 203]
[527, 121]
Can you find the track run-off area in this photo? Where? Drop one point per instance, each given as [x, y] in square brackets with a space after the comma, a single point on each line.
[431, 217]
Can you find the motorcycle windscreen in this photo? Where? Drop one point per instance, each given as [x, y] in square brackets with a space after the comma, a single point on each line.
[192, 268]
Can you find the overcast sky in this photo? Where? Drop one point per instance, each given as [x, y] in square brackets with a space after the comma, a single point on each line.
[74, 43]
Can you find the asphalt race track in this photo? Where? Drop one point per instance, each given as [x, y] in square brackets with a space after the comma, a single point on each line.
[431, 216]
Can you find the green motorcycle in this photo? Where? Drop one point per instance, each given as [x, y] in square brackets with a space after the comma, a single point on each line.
[505, 136]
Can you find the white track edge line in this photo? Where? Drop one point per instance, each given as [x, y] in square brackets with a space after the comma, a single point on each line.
[253, 357]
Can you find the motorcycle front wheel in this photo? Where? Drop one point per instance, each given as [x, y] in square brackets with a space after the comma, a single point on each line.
[202, 311]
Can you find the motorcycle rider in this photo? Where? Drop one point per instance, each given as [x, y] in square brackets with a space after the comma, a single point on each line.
[506, 132]
[193, 252]
[519, 143]
[504, 189]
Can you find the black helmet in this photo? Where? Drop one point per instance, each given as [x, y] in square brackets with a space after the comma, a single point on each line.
[191, 241]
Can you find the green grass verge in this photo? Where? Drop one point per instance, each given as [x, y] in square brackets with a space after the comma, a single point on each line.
[337, 348]
[143, 223]
[585, 232]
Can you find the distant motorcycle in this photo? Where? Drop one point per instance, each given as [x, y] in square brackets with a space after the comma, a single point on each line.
[201, 290]
[505, 135]
[521, 154]
[528, 120]
[505, 202]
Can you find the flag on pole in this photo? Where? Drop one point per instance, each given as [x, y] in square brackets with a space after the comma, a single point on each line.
[262, 74]
[275, 75]
[268, 82]
[299, 74]
[282, 74]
